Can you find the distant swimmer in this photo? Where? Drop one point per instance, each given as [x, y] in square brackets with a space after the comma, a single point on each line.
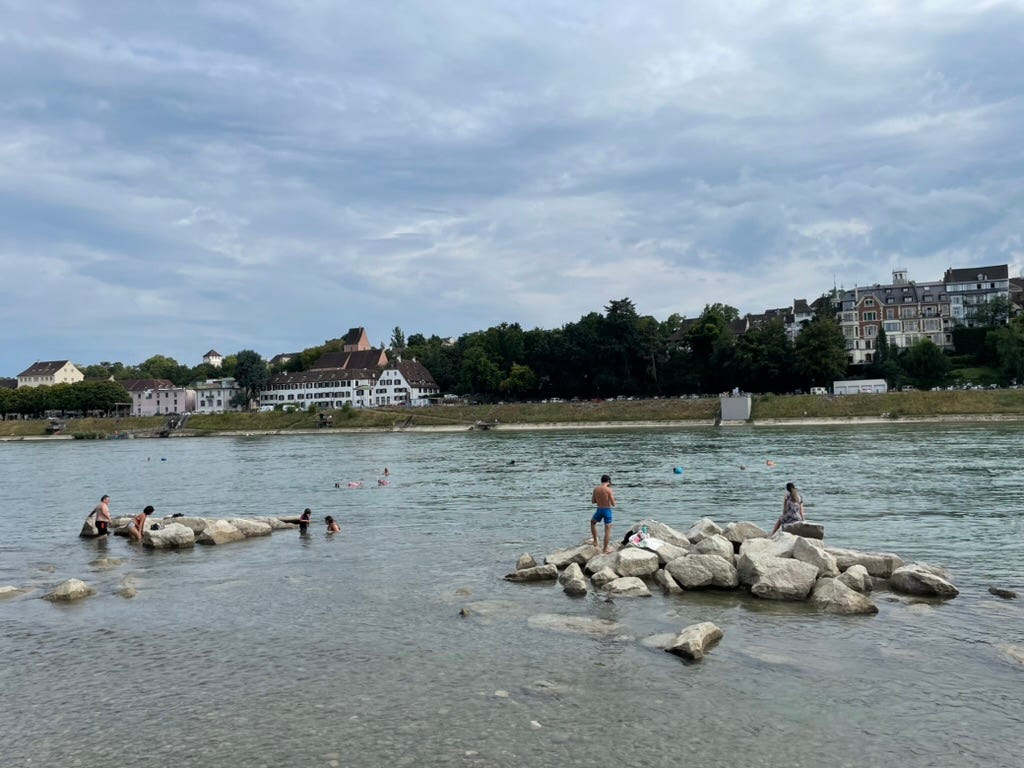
[304, 519]
[512, 463]
[332, 527]
[387, 472]
[743, 466]
[354, 484]
[383, 482]
[770, 463]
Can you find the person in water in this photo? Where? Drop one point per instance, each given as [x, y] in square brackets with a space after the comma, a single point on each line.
[304, 519]
[332, 527]
[138, 524]
[792, 508]
[604, 498]
[101, 515]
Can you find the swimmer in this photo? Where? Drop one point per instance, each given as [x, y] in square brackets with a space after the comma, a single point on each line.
[770, 463]
[354, 484]
[383, 482]
[332, 527]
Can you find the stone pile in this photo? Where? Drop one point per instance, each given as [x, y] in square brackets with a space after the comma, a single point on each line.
[794, 564]
[184, 532]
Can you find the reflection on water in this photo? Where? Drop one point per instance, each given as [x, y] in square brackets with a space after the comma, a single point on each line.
[350, 650]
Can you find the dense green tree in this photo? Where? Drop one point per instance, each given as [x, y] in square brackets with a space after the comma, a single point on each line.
[1009, 348]
[252, 375]
[397, 339]
[820, 352]
[994, 313]
[162, 367]
[478, 374]
[925, 364]
[521, 382]
[763, 359]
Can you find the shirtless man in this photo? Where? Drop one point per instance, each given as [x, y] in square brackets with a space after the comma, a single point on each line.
[605, 500]
[102, 514]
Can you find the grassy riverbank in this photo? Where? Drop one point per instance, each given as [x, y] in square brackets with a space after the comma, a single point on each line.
[893, 405]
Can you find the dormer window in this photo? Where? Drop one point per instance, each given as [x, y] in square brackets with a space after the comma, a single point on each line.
[869, 302]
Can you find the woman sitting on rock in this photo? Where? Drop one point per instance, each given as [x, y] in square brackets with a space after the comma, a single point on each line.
[792, 508]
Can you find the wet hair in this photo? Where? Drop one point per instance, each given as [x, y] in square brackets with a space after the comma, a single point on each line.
[104, 497]
[148, 510]
[328, 519]
[789, 486]
[307, 509]
[605, 479]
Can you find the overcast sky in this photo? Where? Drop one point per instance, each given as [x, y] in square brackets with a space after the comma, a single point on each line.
[176, 176]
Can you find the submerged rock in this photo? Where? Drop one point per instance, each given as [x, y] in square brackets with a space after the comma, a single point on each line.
[695, 640]
[578, 625]
[72, 589]
[1006, 594]
[9, 592]
[1012, 652]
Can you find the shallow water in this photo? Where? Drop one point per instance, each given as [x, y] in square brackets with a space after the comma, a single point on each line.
[350, 651]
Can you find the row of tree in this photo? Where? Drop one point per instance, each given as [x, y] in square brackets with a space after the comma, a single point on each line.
[102, 397]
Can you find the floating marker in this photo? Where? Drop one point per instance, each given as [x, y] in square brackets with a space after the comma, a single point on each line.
[678, 470]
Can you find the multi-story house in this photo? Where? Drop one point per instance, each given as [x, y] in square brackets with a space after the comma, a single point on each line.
[402, 383]
[49, 373]
[213, 358]
[215, 395]
[157, 397]
[970, 287]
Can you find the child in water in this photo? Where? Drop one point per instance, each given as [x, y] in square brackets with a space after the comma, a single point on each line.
[332, 527]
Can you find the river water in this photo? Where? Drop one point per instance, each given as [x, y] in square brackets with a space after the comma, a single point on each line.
[350, 651]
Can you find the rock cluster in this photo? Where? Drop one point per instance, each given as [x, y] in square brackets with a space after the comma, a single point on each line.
[794, 564]
[184, 532]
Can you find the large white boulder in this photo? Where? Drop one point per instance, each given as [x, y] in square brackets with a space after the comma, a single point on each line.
[777, 578]
[878, 564]
[663, 532]
[716, 545]
[173, 536]
[779, 545]
[696, 571]
[196, 524]
[275, 523]
[603, 576]
[857, 578]
[833, 596]
[219, 532]
[702, 529]
[737, 533]
[572, 580]
[599, 562]
[695, 640]
[72, 589]
[627, 586]
[545, 572]
[806, 552]
[636, 562]
[580, 554]
[920, 579]
[667, 551]
[664, 580]
[250, 527]
[525, 561]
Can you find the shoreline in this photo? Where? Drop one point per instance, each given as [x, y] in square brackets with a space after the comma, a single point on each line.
[807, 421]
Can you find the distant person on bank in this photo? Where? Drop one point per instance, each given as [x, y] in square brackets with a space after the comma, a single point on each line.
[792, 508]
[138, 524]
[605, 500]
[101, 512]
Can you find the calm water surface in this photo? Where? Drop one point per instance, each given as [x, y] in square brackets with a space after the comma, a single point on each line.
[349, 651]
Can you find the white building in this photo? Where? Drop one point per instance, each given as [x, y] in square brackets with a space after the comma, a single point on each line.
[49, 373]
[969, 287]
[215, 395]
[157, 397]
[859, 386]
[401, 383]
[213, 358]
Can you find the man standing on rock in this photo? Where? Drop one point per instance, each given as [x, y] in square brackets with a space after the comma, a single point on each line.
[102, 514]
[605, 500]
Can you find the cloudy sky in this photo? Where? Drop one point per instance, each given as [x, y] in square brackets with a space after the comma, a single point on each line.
[176, 176]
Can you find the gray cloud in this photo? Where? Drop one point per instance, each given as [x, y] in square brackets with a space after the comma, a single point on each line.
[183, 175]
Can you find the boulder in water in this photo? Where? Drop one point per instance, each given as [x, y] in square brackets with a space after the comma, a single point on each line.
[537, 573]
[72, 589]
[833, 596]
[695, 640]
[572, 580]
[634, 561]
[857, 578]
[627, 586]
[173, 536]
[777, 578]
[250, 528]
[918, 579]
[806, 552]
[525, 561]
[219, 532]
[696, 571]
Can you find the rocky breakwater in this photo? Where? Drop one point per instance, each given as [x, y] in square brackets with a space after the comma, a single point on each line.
[792, 565]
[183, 532]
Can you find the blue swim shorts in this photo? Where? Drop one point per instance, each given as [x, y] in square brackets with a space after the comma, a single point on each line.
[603, 513]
